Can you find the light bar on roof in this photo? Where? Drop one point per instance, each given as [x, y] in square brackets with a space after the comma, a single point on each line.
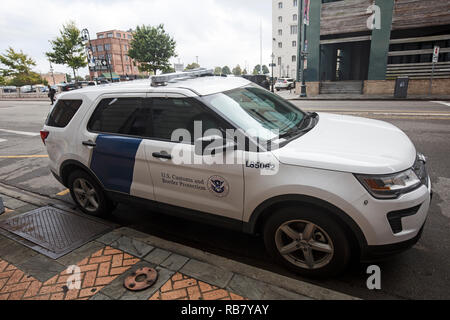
[172, 77]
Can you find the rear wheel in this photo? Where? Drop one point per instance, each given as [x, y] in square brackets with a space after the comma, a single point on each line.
[88, 194]
[307, 241]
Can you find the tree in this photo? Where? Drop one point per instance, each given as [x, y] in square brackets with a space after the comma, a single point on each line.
[257, 69]
[244, 72]
[152, 47]
[237, 71]
[226, 70]
[169, 70]
[17, 67]
[193, 65]
[68, 77]
[68, 48]
[218, 71]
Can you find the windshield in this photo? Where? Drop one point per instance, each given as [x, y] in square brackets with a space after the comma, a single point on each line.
[258, 112]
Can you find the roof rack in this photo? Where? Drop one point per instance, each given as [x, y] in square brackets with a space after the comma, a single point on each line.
[162, 80]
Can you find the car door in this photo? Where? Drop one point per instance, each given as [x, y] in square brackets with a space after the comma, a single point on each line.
[180, 177]
[115, 139]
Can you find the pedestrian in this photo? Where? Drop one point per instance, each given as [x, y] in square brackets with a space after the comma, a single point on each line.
[51, 94]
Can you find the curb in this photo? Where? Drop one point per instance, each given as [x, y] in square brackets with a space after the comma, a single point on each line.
[293, 285]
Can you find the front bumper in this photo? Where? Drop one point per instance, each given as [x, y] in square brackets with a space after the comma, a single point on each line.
[377, 253]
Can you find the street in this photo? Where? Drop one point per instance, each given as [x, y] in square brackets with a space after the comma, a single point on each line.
[420, 273]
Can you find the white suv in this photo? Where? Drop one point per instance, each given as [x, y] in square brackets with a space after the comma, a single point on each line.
[284, 83]
[325, 187]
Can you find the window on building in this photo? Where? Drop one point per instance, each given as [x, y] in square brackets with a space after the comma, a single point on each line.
[294, 43]
[280, 32]
[101, 36]
[94, 48]
[127, 58]
[280, 19]
[295, 17]
[295, 3]
[109, 35]
[108, 47]
[280, 5]
[280, 45]
[129, 36]
[294, 58]
[125, 47]
[279, 61]
[294, 29]
[118, 35]
[100, 48]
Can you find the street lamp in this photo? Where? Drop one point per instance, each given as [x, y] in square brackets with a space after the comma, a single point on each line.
[87, 38]
[272, 65]
[302, 52]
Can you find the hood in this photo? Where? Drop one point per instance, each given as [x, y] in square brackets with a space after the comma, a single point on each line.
[351, 144]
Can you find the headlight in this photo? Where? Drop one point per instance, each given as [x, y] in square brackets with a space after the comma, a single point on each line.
[390, 186]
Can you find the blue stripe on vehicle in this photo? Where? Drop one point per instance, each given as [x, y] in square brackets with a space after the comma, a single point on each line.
[113, 161]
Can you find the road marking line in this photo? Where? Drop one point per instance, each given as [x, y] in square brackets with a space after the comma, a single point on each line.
[63, 193]
[23, 133]
[442, 102]
[23, 157]
[3, 140]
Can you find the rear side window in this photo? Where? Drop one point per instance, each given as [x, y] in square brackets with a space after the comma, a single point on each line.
[63, 112]
[125, 116]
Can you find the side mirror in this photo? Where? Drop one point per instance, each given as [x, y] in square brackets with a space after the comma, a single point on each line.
[215, 144]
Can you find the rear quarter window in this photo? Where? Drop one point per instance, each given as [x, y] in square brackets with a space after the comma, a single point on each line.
[63, 112]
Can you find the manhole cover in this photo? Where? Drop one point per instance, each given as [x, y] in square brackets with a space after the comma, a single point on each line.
[55, 231]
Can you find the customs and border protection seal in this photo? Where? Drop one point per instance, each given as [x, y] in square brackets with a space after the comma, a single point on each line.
[218, 186]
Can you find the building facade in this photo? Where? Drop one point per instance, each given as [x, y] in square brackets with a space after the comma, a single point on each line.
[285, 33]
[113, 46]
[363, 46]
[54, 78]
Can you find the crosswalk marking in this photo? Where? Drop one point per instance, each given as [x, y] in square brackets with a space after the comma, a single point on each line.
[23, 133]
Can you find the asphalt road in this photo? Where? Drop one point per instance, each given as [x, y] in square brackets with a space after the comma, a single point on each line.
[420, 273]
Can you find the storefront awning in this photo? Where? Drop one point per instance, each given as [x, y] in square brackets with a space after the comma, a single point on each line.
[107, 75]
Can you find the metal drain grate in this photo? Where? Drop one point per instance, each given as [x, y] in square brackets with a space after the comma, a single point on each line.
[55, 232]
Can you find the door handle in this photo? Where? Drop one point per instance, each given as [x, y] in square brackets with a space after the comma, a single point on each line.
[162, 155]
[89, 143]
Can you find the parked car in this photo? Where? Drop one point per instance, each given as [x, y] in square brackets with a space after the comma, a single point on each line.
[285, 83]
[324, 189]
[9, 89]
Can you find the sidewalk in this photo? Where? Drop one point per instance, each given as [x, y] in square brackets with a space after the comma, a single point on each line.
[293, 96]
[184, 273]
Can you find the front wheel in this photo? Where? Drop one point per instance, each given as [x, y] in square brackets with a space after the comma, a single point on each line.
[88, 194]
[307, 241]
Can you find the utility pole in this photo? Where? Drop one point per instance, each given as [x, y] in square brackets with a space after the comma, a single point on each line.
[51, 71]
[301, 56]
[260, 48]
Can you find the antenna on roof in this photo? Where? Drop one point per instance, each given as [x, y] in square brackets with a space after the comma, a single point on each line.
[161, 80]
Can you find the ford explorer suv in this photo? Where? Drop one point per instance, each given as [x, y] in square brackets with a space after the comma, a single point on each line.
[319, 188]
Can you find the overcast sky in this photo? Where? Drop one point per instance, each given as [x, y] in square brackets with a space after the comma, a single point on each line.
[220, 32]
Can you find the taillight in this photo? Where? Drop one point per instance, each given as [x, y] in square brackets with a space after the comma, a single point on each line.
[44, 135]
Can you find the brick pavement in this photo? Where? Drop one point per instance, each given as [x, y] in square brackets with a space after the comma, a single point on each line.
[182, 287]
[96, 271]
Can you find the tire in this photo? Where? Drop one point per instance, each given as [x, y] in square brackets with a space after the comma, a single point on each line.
[80, 182]
[309, 226]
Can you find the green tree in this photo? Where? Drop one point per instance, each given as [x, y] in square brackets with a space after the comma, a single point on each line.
[226, 70]
[218, 71]
[68, 77]
[152, 47]
[245, 72]
[169, 70]
[16, 66]
[193, 65]
[257, 69]
[68, 49]
[237, 71]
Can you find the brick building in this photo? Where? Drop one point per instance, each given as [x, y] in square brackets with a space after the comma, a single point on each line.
[55, 78]
[114, 45]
